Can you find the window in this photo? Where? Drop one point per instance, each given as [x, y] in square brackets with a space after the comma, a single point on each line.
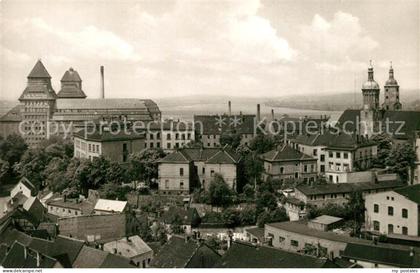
[281, 239]
[305, 168]
[390, 228]
[331, 154]
[322, 158]
[212, 173]
[204, 170]
[404, 213]
[166, 184]
[294, 243]
[376, 208]
[168, 136]
[181, 171]
[315, 152]
[296, 175]
[391, 211]
[346, 155]
[125, 152]
[168, 145]
[338, 154]
[181, 185]
[404, 230]
[281, 170]
[322, 168]
[376, 225]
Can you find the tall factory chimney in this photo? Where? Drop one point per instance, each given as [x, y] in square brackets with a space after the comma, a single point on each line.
[272, 114]
[102, 83]
[258, 112]
[230, 108]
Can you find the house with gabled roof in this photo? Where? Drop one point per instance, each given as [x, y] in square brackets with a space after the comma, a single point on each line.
[395, 213]
[285, 163]
[25, 187]
[188, 167]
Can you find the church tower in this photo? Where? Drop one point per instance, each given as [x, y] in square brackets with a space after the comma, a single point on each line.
[370, 112]
[392, 93]
[38, 99]
[71, 86]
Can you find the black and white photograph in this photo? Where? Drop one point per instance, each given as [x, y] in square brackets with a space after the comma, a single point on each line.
[209, 134]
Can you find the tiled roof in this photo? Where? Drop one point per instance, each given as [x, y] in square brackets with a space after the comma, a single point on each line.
[244, 255]
[39, 71]
[381, 255]
[13, 114]
[70, 91]
[16, 258]
[208, 155]
[110, 205]
[410, 192]
[105, 136]
[91, 104]
[85, 207]
[94, 258]
[25, 181]
[410, 119]
[285, 153]
[132, 247]
[181, 253]
[257, 232]
[71, 75]
[348, 187]
[211, 126]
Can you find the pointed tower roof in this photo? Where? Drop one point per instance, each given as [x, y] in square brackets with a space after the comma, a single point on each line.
[370, 83]
[391, 80]
[39, 71]
[71, 75]
[71, 86]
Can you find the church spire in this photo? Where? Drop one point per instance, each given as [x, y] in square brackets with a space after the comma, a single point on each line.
[391, 72]
[370, 71]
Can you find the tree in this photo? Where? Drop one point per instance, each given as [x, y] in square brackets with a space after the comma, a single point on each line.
[219, 192]
[356, 208]
[384, 143]
[143, 165]
[230, 217]
[276, 215]
[231, 139]
[401, 160]
[12, 148]
[54, 174]
[32, 165]
[262, 144]
[116, 174]
[248, 216]
[4, 170]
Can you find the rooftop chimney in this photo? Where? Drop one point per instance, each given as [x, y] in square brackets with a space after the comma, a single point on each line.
[258, 112]
[102, 83]
[230, 108]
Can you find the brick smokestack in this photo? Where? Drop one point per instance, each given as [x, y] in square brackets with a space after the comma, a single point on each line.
[230, 108]
[102, 83]
[258, 112]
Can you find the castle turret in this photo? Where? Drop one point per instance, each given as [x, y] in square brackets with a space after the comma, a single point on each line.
[392, 93]
[370, 90]
[39, 103]
[71, 86]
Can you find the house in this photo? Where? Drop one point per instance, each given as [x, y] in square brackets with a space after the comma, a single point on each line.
[69, 207]
[255, 235]
[187, 218]
[294, 207]
[133, 248]
[348, 153]
[181, 170]
[245, 255]
[321, 195]
[25, 187]
[169, 134]
[183, 252]
[107, 206]
[285, 163]
[20, 256]
[90, 257]
[325, 222]
[376, 256]
[394, 212]
[209, 128]
[95, 228]
[113, 143]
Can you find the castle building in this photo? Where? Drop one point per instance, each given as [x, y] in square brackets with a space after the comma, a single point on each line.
[42, 113]
[392, 93]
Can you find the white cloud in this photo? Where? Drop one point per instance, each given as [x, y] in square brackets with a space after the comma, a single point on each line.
[342, 36]
[89, 41]
[12, 57]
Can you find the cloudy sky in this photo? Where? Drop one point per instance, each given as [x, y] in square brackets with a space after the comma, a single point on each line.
[158, 48]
